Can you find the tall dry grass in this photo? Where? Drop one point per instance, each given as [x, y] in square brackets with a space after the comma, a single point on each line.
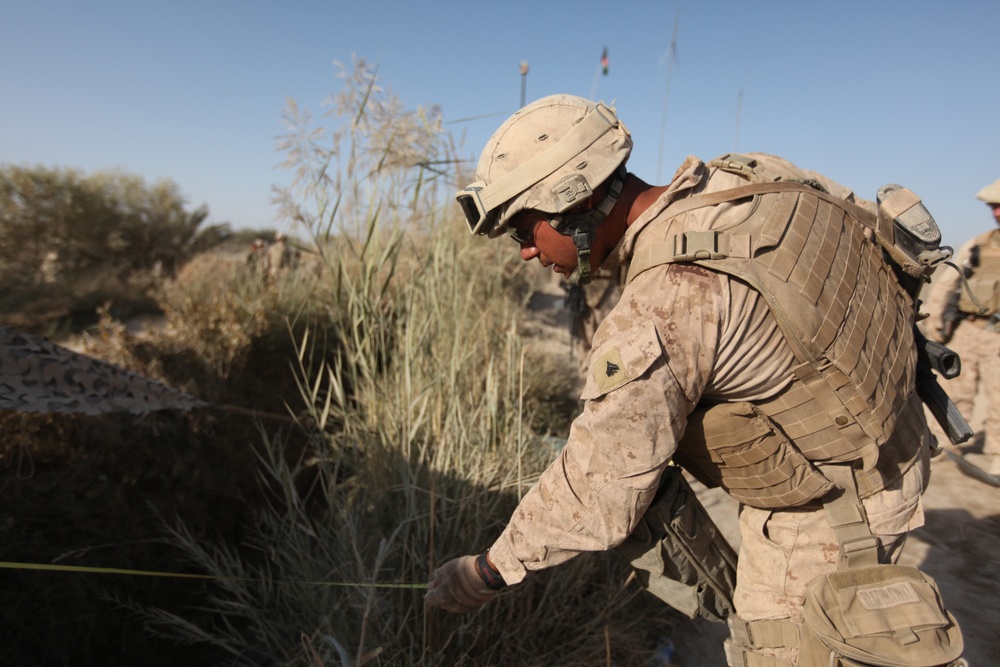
[420, 405]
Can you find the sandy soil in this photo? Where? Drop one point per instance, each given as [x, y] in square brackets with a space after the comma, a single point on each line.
[959, 546]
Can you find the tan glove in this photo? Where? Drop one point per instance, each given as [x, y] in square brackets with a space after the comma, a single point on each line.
[457, 587]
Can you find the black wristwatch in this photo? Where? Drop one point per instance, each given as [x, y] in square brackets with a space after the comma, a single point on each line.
[493, 579]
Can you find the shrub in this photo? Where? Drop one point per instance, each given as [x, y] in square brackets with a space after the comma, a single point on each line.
[74, 241]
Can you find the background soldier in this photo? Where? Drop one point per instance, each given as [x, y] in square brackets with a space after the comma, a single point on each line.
[781, 393]
[955, 320]
[256, 260]
[279, 256]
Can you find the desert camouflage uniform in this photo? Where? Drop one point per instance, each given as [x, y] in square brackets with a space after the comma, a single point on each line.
[685, 334]
[975, 339]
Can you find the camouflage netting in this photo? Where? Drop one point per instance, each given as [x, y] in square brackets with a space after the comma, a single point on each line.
[37, 375]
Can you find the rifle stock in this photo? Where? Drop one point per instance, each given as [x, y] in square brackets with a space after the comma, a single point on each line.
[932, 357]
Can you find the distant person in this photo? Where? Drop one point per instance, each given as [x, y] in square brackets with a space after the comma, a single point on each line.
[762, 341]
[956, 321]
[257, 257]
[279, 256]
[48, 270]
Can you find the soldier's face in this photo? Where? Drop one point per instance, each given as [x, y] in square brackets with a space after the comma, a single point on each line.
[996, 212]
[539, 240]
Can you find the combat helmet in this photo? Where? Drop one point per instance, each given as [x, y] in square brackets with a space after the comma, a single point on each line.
[549, 157]
[990, 194]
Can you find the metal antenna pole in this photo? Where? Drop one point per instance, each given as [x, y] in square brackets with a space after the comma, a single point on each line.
[524, 79]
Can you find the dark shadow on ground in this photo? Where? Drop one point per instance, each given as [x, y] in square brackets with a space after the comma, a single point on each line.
[960, 552]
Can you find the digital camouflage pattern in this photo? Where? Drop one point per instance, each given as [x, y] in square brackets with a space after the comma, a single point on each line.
[37, 375]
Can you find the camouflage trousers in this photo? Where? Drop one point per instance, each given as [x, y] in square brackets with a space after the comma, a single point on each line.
[781, 551]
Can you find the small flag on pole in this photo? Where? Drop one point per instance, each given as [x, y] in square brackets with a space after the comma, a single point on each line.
[604, 61]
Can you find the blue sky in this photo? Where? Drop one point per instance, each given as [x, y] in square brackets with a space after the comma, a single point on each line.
[866, 92]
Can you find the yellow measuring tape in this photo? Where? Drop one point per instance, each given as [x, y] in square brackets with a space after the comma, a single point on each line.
[181, 575]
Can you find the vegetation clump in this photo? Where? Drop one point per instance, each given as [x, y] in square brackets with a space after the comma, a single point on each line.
[73, 241]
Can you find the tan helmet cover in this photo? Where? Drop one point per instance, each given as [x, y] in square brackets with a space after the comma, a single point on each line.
[554, 151]
[990, 194]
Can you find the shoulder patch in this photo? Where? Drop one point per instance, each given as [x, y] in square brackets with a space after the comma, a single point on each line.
[609, 370]
[622, 359]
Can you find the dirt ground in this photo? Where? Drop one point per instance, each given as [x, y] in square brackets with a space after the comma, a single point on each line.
[959, 546]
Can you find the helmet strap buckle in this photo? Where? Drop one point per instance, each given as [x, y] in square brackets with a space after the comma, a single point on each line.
[583, 227]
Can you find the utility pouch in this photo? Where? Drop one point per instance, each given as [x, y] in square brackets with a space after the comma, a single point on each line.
[886, 615]
[679, 554]
[737, 447]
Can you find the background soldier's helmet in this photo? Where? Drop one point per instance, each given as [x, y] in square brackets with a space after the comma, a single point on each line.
[549, 156]
[991, 193]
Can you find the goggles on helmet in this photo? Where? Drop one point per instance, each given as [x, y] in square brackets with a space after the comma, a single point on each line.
[480, 218]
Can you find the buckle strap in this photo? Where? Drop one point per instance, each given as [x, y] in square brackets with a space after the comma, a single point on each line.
[694, 245]
[747, 636]
[846, 515]
[766, 633]
[736, 656]
[583, 227]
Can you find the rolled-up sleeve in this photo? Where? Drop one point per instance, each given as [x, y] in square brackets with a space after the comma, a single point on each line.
[652, 357]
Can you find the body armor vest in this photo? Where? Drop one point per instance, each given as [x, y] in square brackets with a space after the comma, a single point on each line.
[984, 282]
[813, 258]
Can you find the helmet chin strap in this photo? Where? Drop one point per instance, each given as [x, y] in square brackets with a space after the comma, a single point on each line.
[583, 227]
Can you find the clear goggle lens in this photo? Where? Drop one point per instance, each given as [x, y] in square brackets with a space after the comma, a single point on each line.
[480, 220]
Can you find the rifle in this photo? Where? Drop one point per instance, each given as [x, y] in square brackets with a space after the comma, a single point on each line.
[932, 356]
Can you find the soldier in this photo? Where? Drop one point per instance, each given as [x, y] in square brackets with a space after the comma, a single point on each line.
[257, 258]
[741, 348]
[279, 256]
[956, 319]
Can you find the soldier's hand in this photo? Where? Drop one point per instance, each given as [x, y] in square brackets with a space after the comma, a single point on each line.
[457, 587]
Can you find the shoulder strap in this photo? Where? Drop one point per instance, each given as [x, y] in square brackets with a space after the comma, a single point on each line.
[718, 244]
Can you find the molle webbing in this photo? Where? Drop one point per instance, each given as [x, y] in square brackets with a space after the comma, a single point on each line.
[736, 446]
[811, 257]
[812, 431]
